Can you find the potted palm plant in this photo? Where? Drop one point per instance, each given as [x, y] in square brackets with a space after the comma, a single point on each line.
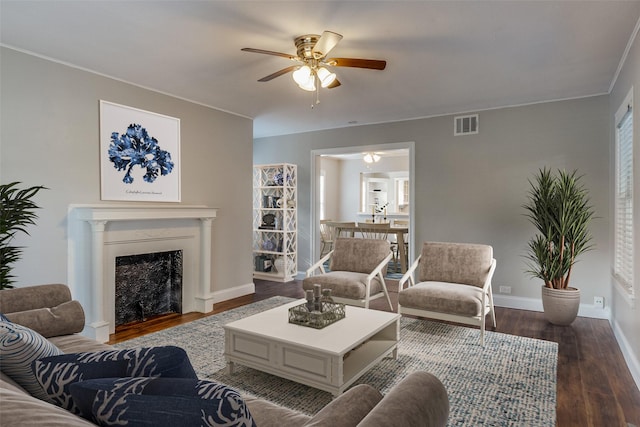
[17, 211]
[559, 208]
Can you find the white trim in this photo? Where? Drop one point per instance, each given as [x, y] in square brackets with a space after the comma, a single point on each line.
[624, 292]
[627, 352]
[137, 212]
[444, 114]
[624, 107]
[315, 171]
[271, 135]
[623, 59]
[235, 292]
[535, 304]
[89, 70]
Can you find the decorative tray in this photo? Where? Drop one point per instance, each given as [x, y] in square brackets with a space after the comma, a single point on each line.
[331, 313]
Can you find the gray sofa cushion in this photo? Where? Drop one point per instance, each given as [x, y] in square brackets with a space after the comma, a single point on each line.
[78, 344]
[269, 414]
[408, 402]
[349, 409]
[20, 409]
[464, 263]
[344, 284]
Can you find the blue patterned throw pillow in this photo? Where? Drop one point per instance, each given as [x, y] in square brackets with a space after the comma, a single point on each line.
[160, 402]
[19, 347]
[55, 374]
[4, 318]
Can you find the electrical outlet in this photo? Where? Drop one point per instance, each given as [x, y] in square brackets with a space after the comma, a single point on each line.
[505, 289]
[598, 302]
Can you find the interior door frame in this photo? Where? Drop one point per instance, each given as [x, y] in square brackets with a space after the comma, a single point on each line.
[315, 184]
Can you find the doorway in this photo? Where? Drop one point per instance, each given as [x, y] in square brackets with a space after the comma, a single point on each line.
[352, 199]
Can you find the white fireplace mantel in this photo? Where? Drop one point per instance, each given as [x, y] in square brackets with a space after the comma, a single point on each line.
[134, 213]
[98, 298]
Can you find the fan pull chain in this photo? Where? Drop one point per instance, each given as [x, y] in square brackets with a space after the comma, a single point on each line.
[317, 92]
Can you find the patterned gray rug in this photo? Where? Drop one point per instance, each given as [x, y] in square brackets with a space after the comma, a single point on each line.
[511, 382]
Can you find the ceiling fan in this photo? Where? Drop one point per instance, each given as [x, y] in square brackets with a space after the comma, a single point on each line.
[312, 51]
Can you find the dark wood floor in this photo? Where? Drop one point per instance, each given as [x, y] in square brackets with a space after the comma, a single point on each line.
[595, 387]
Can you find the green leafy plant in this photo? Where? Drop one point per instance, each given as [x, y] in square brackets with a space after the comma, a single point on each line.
[559, 208]
[17, 211]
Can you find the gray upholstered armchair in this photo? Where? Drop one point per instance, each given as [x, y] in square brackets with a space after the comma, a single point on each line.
[452, 283]
[357, 269]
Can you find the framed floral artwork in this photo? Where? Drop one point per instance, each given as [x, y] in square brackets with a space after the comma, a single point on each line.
[139, 155]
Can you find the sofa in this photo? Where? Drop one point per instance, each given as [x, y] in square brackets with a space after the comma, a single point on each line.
[420, 399]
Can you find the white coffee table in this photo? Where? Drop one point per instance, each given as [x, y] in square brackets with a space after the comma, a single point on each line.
[329, 359]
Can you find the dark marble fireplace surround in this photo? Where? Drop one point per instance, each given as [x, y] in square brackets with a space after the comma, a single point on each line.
[147, 285]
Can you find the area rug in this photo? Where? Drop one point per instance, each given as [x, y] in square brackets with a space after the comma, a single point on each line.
[509, 382]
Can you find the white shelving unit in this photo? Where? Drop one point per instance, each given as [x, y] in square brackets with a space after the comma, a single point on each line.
[275, 225]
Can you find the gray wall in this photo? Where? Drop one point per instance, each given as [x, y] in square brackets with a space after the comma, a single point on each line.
[49, 136]
[626, 318]
[471, 188]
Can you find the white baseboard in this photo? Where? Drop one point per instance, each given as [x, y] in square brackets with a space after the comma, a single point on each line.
[535, 304]
[521, 303]
[231, 293]
[632, 361]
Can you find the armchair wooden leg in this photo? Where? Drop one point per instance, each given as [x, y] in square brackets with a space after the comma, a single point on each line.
[386, 292]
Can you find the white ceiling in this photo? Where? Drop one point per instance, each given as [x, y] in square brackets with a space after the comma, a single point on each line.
[442, 57]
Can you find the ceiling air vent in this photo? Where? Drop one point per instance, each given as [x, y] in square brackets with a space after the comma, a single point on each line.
[465, 125]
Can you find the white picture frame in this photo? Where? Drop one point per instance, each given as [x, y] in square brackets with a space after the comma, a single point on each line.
[139, 155]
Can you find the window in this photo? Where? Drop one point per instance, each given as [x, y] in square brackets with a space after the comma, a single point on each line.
[623, 219]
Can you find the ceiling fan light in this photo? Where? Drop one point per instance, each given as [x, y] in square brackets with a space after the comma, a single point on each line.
[310, 85]
[302, 75]
[325, 76]
[371, 158]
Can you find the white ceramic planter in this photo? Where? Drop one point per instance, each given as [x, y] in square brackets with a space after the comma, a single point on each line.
[560, 305]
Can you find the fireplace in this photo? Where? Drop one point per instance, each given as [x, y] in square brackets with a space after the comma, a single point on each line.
[100, 234]
[147, 285]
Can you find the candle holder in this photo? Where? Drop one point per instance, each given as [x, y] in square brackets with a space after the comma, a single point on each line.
[331, 313]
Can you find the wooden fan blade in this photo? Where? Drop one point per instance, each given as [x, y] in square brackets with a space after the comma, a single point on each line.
[335, 83]
[327, 41]
[269, 52]
[278, 73]
[373, 64]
